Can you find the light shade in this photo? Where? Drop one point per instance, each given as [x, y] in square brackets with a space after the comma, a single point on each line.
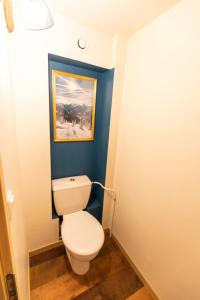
[37, 15]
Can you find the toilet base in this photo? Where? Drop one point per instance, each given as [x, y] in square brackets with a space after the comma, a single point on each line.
[78, 267]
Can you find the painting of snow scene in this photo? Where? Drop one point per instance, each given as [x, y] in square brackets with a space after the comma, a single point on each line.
[74, 107]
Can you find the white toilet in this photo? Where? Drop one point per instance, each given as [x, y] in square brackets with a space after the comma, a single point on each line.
[82, 234]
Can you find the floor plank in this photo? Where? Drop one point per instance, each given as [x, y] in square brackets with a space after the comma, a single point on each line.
[110, 277]
[142, 294]
[47, 255]
[118, 286]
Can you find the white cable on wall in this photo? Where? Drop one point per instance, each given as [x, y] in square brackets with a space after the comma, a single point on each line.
[114, 200]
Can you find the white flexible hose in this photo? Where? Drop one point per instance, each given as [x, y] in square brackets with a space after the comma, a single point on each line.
[114, 200]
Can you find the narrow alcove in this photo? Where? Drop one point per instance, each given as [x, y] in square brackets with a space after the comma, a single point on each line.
[84, 157]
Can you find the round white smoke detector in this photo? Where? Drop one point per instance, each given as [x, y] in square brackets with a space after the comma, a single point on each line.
[82, 43]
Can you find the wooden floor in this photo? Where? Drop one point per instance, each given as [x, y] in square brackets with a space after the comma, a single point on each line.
[110, 277]
[141, 294]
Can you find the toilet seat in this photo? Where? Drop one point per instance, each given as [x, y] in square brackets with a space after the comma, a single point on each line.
[81, 233]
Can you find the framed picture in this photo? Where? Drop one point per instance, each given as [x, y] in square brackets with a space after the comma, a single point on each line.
[74, 101]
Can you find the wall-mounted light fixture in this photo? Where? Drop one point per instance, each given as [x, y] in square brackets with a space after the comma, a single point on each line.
[37, 15]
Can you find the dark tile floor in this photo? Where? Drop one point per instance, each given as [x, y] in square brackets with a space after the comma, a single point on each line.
[110, 276]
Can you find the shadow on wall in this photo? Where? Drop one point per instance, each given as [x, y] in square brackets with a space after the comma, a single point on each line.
[84, 157]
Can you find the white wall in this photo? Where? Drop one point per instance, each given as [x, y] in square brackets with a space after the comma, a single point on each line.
[29, 63]
[119, 48]
[158, 163]
[10, 164]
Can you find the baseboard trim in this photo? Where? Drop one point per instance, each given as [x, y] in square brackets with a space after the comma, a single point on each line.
[52, 246]
[45, 248]
[139, 274]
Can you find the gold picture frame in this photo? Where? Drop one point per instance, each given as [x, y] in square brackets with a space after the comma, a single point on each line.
[74, 104]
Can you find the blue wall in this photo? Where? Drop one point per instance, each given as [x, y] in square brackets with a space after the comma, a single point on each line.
[89, 157]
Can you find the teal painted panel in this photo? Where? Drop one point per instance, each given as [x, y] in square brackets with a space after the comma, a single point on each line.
[88, 157]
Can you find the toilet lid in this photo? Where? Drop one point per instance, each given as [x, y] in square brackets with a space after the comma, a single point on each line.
[82, 233]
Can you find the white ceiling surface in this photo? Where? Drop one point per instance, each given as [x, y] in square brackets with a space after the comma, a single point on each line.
[112, 16]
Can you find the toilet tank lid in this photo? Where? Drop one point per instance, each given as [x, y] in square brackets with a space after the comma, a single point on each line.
[70, 182]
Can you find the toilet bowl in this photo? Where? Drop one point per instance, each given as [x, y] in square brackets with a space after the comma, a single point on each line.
[83, 237]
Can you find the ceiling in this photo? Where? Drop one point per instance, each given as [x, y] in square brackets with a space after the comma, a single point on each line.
[112, 16]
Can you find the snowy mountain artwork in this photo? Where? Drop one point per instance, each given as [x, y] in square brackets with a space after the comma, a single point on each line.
[74, 99]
